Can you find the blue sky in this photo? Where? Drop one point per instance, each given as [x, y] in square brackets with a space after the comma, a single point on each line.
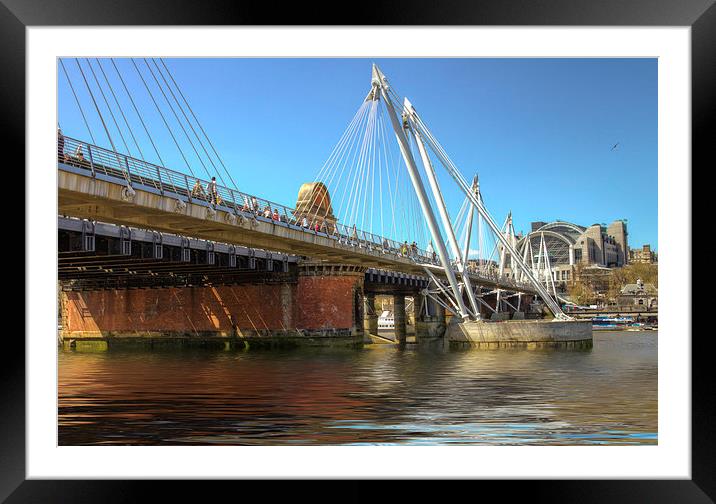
[538, 131]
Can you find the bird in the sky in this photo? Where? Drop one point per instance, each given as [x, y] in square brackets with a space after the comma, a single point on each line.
[615, 146]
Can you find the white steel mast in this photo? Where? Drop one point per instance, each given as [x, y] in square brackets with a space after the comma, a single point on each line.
[381, 83]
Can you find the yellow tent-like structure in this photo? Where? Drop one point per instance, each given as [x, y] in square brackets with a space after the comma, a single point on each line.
[314, 203]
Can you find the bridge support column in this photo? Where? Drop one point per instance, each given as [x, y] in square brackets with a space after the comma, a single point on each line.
[370, 318]
[439, 313]
[330, 298]
[399, 318]
[428, 329]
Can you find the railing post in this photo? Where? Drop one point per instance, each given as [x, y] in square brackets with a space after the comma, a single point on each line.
[188, 191]
[233, 198]
[129, 173]
[159, 178]
[89, 154]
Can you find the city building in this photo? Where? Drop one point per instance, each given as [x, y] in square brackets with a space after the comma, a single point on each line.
[644, 255]
[638, 295]
[570, 244]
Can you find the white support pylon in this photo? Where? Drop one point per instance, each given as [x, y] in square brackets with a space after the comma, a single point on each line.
[379, 80]
[447, 225]
[503, 249]
[540, 269]
[468, 223]
[462, 184]
[526, 248]
[513, 242]
[548, 266]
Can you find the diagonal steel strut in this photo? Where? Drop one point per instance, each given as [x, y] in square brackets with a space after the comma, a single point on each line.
[380, 82]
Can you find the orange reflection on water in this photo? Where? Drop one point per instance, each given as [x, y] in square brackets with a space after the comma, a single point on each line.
[376, 395]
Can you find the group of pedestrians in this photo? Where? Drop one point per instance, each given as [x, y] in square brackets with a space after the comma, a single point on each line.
[409, 250]
[211, 194]
[251, 205]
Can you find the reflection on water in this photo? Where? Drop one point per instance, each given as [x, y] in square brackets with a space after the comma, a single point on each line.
[378, 395]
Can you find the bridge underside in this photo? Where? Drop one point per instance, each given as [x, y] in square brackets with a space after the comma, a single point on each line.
[109, 257]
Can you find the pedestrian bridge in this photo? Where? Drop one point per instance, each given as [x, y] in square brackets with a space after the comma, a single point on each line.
[102, 185]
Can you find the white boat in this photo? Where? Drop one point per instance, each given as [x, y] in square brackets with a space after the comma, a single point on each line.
[386, 320]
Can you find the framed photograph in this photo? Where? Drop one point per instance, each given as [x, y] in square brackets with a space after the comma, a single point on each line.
[423, 245]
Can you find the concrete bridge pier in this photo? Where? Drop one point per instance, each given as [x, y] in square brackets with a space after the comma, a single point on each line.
[399, 318]
[370, 318]
[430, 324]
[440, 313]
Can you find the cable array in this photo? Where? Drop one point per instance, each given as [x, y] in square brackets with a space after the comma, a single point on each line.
[364, 184]
[172, 108]
[483, 247]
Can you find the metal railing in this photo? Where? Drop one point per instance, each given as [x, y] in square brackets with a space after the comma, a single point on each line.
[98, 160]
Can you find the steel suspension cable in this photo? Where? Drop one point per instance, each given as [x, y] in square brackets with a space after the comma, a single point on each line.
[371, 170]
[342, 157]
[106, 130]
[136, 110]
[357, 185]
[353, 163]
[361, 172]
[338, 161]
[390, 164]
[106, 102]
[166, 124]
[121, 111]
[77, 101]
[329, 169]
[191, 111]
[350, 159]
[380, 167]
[371, 175]
[161, 90]
[181, 109]
[325, 169]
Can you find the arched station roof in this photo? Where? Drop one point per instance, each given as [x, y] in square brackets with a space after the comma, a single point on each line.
[563, 227]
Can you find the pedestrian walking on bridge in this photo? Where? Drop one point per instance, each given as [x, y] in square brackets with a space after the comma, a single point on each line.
[212, 191]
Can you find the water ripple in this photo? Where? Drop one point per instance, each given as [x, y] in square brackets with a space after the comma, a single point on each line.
[375, 396]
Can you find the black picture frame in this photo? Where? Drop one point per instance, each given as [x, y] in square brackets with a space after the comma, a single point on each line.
[700, 15]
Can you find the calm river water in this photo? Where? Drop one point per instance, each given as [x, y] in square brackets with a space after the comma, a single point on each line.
[378, 395]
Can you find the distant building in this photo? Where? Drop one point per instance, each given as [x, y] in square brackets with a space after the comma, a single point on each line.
[617, 231]
[644, 255]
[570, 244]
[638, 295]
[536, 225]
